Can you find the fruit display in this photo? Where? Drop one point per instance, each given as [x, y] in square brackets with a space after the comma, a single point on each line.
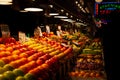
[51, 57]
[94, 47]
[7, 40]
[87, 75]
[32, 60]
[90, 63]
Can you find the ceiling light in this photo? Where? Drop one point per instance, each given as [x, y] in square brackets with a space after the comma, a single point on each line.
[5, 2]
[98, 1]
[23, 11]
[78, 5]
[71, 16]
[62, 10]
[33, 9]
[60, 17]
[67, 14]
[76, 2]
[51, 6]
[53, 14]
[68, 20]
[81, 24]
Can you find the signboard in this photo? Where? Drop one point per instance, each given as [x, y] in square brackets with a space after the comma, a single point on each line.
[103, 9]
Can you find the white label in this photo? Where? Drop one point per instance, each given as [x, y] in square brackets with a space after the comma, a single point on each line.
[48, 29]
[40, 31]
[22, 36]
[58, 33]
[75, 30]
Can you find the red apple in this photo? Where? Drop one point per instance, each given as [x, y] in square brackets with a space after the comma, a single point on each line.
[63, 49]
[68, 50]
[15, 57]
[10, 58]
[22, 49]
[35, 71]
[14, 64]
[24, 69]
[39, 62]
[45, 57]
[44, 66]
[17, 46]
[21, 61]
[4, 53]
[30, 52]
[23, 55]
[51, 60]
[9, 49]
[5, 59]
[16, 52]
[35, 56]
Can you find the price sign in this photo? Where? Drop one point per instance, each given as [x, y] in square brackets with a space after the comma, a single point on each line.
[48, 29]
[58, 33]
[103, 9]
[40, 31]
[22, 36]
[5, 30]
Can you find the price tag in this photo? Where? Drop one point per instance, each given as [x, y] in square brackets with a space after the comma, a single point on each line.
[5, 34]
[58, 33]
[75, 30]
[5, 30]
[22, 36]
[59, 27]
[48, 29]
[63, 44]
[40, 31]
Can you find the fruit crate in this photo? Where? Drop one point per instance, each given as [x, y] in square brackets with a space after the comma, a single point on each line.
[81, 78]
[88, 75]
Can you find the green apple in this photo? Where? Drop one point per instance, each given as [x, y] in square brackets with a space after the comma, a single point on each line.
[18, 72]
[2, 70]
[20, 78]
[8, 67]
[9, 75]
[2, 77]
[2, 63]
[29, 76]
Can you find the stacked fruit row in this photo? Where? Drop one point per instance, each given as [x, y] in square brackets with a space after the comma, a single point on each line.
[31, 60]
[88, 66]
[93, 47]
[90, 63]
[87, 75]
